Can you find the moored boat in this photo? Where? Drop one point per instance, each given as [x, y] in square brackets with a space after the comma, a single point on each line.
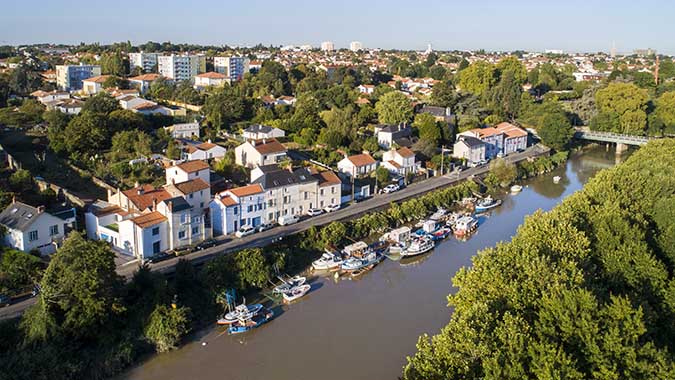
[249, 323]
[287, 284]
[296, 292]
[356, 263]
[487, 203]
[328, 261]
[556, 179]
[239, 312]
[441, 233]
[465, 225]
[418, 246]
[516, 188]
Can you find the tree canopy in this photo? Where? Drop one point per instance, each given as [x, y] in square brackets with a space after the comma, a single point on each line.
[393, 108]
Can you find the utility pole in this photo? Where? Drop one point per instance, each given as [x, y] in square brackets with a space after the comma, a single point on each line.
[353, 185]
[656, 71]
[442, 158]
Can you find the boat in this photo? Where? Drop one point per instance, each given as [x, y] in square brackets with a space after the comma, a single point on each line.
[487, 203]
[355, 263]
[358, 249]
[328, 261]
[286, 285]
[465, 225]
[516, 188]
[245, 324]
[241, 311]
[441, 233]
[418, 247]
[439, 214]
[556, 179]
[296, 292]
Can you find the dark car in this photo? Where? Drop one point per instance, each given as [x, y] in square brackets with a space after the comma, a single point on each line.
[4, 300]
[207, 244]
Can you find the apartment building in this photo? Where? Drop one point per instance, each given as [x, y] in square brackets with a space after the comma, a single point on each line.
[505, 138]
[70, 77]
[181, 67]
[327, 46]
[232, 67]
[146, 61]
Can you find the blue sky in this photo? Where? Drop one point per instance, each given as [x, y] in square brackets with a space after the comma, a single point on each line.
[572, 25]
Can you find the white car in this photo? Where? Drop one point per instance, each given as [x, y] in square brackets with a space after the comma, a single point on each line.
[265, 227]
[314, 211]
[390, 189]
[331, 208]
[244, 231]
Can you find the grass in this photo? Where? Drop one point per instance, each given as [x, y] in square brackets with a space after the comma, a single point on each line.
[32, 153]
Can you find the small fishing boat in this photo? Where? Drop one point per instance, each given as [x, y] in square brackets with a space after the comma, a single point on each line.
[418, 247]
[516, 188]
[465, 225]
[441, 233]
[249, 323]
[556, 179]
[439, 214]
[239, 312]
[487, 203]
[287, 284]
[356, 263]
[296, 292]
[328, 261]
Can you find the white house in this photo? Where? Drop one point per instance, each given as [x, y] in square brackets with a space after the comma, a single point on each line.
[94, 85]
[470, 149]
[45, 97]
[234, 208]
[204, 151]
[357, 165]
[143, 82]
[515, 139]
[210, 79]
[400, 161]
[387, 135]
[129, 102]
[184, 130]
[259, 152]
[366, 88]
[187, 171]
[259, 132]
[29, 228]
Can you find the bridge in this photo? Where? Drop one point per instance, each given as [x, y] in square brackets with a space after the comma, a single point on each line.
[622, 141]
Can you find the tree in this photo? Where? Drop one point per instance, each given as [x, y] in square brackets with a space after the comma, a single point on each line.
[32, 110]
[394, 108]
[428, 128]
[113, 64]
[21, 181]
[443, 94]
[478, 78]
[18, 270]
[130, 144]
[665, 111]
[628, 102]
[556, 131]
[437, 72]
[505, 97]
[167, 326]
[172, 150]
[382, 175]
[341, 124]
[80, 291]
[86, 134]
[371, 144]
[126, 120]
[102, 103]
[224, 106]
[512, 65]
[502, 173]
[252, 269]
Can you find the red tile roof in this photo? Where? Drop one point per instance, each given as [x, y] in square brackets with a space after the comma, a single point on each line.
[149, 219]
[405, 152]
[212, 75]
[227, 201]
[510, 130]
[146, 77]
[327, 178]
[361, 159]
[192, 186]
[148, 195]
[269, 146]
[246, 190]
[98, 79]
[193, 166]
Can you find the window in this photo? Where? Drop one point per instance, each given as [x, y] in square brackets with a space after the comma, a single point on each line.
[196, 219]
[155, 231]
[155, 247]
[201, 204]
[236, 211]
[33, 236]
[321, 192]
[332, 190]
[250, 208]
[54, 230]
[181, 234]
[183, 218]
[195, 230]
[192, 195]
[306, 195]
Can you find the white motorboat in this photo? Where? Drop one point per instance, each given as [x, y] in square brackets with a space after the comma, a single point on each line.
[356, 263]
[556, 179]
[439, 214]
[418, 246]
[286, 285]
[327, 261]
[465, 225]
[487, 203]
[240, 312]
[516, 188]
[296, 292]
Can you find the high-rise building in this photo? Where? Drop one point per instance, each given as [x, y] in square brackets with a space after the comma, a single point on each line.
[232, 67]
[355, 46]
[327, 46]
[146, 61]
[69, 77]
[181, 67]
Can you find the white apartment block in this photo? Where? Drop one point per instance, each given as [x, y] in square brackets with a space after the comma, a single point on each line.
[232, 67]
[70, 77]
[146, 61]
[327, 46]
[355, 46]
[181, 67]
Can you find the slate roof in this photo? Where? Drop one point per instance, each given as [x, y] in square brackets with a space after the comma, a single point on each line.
[258, 128]
[18, 216]
[276, 177]
[177, 204]
[471, 141]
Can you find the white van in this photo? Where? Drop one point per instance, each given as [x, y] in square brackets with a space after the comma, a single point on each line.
[285, 220]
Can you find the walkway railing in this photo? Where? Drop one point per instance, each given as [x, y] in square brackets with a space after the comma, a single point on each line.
[611, 137]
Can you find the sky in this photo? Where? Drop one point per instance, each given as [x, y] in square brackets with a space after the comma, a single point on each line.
[572, 25]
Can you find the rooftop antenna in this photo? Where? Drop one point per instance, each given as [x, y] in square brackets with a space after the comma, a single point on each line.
[613, 51]
[656, 70]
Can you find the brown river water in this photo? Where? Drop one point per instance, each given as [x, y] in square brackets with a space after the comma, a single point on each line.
[364, 328]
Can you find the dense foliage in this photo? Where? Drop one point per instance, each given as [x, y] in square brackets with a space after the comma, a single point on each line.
[584, 291]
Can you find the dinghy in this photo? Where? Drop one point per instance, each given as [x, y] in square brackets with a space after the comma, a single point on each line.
[487, 204]
[296, 292]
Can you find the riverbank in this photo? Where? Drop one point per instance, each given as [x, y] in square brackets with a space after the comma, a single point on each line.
[371, 323]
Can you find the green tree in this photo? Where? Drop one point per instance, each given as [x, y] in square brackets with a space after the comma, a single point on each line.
[627, 101]
[382, 175]
[505, 97]
[665, 111]
[443, 94]
[102, 103]
[556, 131]
[502, 173]
[252, 269]
[126, 120]
[86, 134]
[167, 326]
[428, 128]
[32, 110]
[19, 270]
[56, 125]
[512, 64]
[21, 181]
[478, 78]
[130, 144]
[394, 108]
[223, 107]
[80, 291]
[113, 64]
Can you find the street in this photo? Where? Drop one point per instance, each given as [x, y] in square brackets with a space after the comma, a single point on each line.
[264, 238]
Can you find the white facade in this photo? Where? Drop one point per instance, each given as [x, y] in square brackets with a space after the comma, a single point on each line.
[401, 161]
[327, 46]
[204, 151]
[260, 132]
[258, 153]
[181, 67]
[184, 130]
[29, 228]
[69, 77]
[355, 46]
[188, 171]
[146, 61]
[232, 67]
[210, 79]
[358, 165]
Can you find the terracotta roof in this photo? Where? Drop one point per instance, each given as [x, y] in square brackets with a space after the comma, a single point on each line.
[206, 146]
[394, 164]
[246, 190]
[405, 152]
[98, 79]
[212, 75]
[146, 106]
[227, 201]
[146, 77]
[270, 146]
[192, 186]
[191, 149]
[362, 101]
[109, 210]
[193, 166]
[510, 130]
[327, 178]
[361, 159]
[148, 194]
[149, 219]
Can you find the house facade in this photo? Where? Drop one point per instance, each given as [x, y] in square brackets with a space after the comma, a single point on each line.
[259, 132]
[357, 165]
[259, 152]
[204, 151]
[470, 149]
[400, 161]
[387, 135]
[31, 228]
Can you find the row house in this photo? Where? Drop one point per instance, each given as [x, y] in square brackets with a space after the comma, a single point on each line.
[259, 132]
[259, 152]
[145, 221]
[470, 149]
[28, 228]
[503, 139]
[358, 165]
[238, 207]
[400, 161]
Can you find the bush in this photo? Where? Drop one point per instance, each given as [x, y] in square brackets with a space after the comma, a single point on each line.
[167, 326]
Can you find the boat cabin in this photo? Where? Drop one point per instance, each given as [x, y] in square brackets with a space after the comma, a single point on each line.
[400, 235]
[429, 226]
[357, 249]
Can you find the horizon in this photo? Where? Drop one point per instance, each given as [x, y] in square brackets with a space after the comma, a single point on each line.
[491, 25]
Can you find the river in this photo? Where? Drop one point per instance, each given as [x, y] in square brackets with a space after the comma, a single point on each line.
[364, 328]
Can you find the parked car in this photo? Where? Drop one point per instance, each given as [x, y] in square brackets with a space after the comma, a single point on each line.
[314, 211]
[207, 244]
[265, 226]
[331, 208]
[244, 231]
[390, 189]
[4, 300]
[285, 220]
[160, 257]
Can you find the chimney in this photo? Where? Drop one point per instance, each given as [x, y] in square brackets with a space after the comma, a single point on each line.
[154, 204]
[40, 209]
[366, 152]
[136, 184]
[264, 141]
[253, 142]
[140, 191]
[209, 141]
[173, 181]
